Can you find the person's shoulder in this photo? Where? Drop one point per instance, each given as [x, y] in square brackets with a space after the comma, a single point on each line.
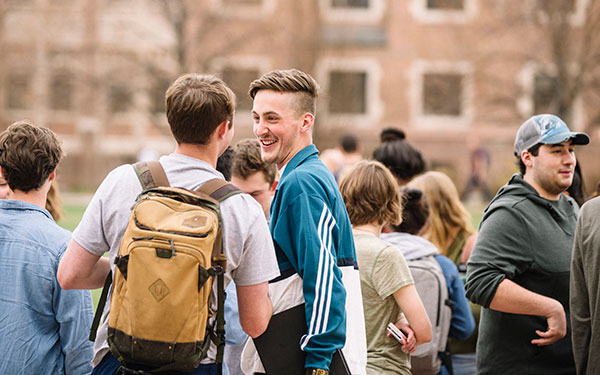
[388, 250]
[119, 178]
[309, 176]
[241, 204]
[590, 207]
[51, 236]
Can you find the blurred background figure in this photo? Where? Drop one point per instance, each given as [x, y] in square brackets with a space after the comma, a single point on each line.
[399, 156]
[340, 158]
[450, 227]
[53, 202]
[577, 188]
[451, 231]
[407, 237]
[224, 163]
[480, 163]
[252, 175]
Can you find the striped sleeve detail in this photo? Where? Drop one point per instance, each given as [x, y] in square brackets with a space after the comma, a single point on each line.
[324, 282]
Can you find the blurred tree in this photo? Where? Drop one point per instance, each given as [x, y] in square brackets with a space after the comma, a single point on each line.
[559, 42]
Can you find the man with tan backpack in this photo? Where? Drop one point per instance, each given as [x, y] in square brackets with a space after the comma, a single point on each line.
[168, 247]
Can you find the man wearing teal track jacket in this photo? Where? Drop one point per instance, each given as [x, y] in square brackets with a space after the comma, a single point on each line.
[309, 223]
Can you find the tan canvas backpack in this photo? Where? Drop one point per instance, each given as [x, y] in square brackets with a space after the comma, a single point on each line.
[168, 258]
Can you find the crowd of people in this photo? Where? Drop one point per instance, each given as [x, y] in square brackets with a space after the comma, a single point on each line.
[350, 244]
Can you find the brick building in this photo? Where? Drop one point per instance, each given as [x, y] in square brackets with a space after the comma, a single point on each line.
[445, 71]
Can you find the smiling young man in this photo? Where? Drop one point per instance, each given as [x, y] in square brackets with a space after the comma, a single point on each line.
[309, 224]
[519, 268]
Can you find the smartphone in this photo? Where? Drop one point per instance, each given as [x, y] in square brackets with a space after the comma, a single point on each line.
[395, 332]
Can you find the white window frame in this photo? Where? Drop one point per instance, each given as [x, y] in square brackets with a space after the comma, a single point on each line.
[525, 102]
[423, 14]
[221, 8]
[372, 14]
[374, 104]
[418, 70]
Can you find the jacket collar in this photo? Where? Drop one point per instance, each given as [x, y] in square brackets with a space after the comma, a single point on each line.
[16, 205]
[299, 158]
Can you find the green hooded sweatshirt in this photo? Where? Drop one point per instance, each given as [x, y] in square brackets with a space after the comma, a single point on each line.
[527, 239]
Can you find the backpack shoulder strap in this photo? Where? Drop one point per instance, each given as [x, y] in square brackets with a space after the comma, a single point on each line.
[151, 174]
[218, 189]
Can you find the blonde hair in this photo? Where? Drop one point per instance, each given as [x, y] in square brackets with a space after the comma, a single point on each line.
[53, 202]
[371, 194]
[446, 212]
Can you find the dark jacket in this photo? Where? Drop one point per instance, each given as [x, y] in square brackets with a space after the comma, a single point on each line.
[526, 239]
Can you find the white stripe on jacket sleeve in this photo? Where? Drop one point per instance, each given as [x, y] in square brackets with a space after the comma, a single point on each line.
[324, 281]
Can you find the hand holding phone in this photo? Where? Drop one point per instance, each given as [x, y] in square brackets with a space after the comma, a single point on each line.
[396, 333]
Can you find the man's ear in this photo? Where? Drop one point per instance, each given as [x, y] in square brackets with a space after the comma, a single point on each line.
[526, 158]
[222, 129]
[52, 175]
[308, 119]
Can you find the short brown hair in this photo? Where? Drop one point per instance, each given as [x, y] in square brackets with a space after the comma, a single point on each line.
[371, 194]
[290, 81]
[28, 154]
[196, 104]
[247, 161]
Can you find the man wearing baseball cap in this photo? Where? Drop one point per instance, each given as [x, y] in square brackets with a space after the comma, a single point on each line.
[519, 268]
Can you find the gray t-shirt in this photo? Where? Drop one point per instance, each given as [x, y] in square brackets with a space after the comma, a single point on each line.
[247, 241]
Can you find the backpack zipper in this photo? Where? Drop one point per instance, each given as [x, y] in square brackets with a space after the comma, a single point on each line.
[196, 235]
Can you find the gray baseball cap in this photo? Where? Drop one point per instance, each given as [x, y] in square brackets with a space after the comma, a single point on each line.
[546, 129]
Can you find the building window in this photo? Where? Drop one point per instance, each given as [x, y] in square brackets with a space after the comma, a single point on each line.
[348, 92]
[239, 80]
[18, 92]
[545, 87]
[443, 11]
[351, 89]
[157, 95]
[119, 99]
[446, 4]
[442, 94]
[61, 92]
[354, 11]
[350, 3]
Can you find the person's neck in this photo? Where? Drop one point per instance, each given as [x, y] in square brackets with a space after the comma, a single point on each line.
[528, 177]
[301, 145]
[208, 153]
[373, 229]
[35, 197]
